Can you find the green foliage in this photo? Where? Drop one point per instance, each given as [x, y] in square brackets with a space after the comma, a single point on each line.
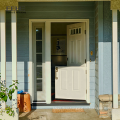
[9, 111]
[6, 93]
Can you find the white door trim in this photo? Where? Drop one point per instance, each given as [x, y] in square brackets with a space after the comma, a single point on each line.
[48, 70]
[3, 49]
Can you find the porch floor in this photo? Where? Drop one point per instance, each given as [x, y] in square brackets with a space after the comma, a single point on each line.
[89, 114]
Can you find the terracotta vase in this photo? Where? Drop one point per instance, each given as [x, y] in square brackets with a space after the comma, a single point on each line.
[23, 102]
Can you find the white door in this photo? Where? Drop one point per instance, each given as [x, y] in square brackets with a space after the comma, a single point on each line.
[70, 81]
[38, 61]
[76, 52]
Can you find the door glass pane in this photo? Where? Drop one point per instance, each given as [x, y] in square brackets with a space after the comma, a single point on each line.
[38, 46]
[39, 85]
[39, 72]
[76, 31]
[38, 33]
[79, 30]
[38, 59]
[73, 31]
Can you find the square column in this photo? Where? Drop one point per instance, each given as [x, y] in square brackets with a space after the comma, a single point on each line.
[115, 57]
[14, 54]
[48, 61]
[3, 49]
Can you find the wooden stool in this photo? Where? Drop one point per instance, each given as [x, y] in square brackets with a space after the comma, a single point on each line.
[23, 102]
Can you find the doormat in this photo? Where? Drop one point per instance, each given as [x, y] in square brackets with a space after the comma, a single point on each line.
[67, 110]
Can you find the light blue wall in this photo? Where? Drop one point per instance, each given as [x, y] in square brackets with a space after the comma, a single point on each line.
[106, 84]
[66, 10]
[107, 50]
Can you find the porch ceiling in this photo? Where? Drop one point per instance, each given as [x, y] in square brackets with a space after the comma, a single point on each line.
[59, 0]
[115, 4]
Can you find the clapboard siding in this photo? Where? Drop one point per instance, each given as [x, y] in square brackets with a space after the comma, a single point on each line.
[96, 55]
[92, 79]
[56, 15]
[92, 92]
[105, 84]
[107, 70]
[19, 73]
[77, 10]
[58, 8]
[46, 10]
[92, 86]
[108, 49]
[92, 73]
[86, 4]
[21, 78]
[92, 65]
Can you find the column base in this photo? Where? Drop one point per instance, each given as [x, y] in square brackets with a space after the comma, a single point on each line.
[116, 114]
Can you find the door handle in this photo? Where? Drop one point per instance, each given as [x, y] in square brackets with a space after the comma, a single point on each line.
[56, 71]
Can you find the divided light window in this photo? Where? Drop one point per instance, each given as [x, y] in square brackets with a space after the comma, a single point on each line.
[75, 31]
[39, 59]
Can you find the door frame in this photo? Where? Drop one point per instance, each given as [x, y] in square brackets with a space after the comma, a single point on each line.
[48, 56]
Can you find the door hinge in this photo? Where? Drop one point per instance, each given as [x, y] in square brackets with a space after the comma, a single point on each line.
[86, 71]
[86, 91]
[56, 69]
[85, 60]
[85, 31]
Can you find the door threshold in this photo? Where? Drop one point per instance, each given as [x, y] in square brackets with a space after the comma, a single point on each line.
[69, 102]
[60, 104]
[39, 101]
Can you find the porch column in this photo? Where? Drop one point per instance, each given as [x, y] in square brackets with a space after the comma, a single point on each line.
[115, 57]
[48, 61]
[3, 49]
[14, 54]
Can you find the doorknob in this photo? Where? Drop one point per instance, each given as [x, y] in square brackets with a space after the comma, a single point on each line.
[56, 71]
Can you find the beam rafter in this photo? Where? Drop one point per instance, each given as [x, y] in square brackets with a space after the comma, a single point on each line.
[6, 3]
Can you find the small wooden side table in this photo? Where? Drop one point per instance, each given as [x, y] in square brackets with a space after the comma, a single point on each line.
[23, 102]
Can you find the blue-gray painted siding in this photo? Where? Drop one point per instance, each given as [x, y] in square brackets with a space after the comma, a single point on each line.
[107, 50]
[96, 54]
[99, 51]
[59, 10]
[107, 85]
